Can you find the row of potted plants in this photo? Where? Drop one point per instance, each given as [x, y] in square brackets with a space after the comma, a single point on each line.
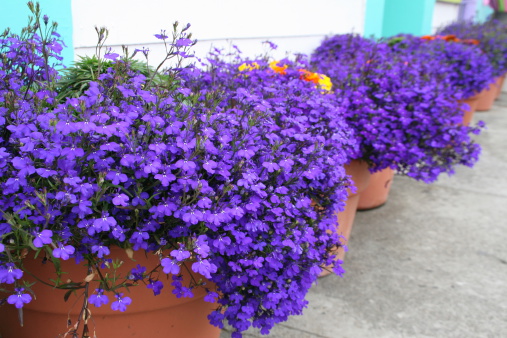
[491, 39]
[436, 80]
[220, 180]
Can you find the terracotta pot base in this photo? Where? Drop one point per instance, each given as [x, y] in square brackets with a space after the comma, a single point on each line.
[487, 96]
[377, 192]
[361, 178]
[468, 112]
[162, 316]
[179, 321]
[500, 86]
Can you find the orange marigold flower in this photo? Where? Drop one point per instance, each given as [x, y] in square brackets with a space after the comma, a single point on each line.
[309, 76]
[319, 79]
[428, 37]
[471, 41]
[450, 38]
[280, 70]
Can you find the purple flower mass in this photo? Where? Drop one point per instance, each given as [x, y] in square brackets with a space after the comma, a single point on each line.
[282, 127]
[401, 104]
[491, 39]
[468, 69]
[216, 186]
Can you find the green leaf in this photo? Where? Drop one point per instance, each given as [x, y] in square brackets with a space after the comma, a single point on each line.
[67, 295]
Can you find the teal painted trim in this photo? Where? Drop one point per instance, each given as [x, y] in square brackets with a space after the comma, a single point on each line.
[410, 17]
[483, 12]
[427, 18]
[15, 13]
[374, 18]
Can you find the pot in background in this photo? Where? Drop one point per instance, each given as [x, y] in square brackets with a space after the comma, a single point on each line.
[488, 95]
[500, 86]
[377, 192]
[469, 110]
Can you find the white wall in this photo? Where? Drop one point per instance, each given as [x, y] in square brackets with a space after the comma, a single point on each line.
[444, 14]
[295, 25]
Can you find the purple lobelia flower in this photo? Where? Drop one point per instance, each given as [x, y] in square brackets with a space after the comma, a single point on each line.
[63, 251]
[19, 298]
[181, 253]
[9, 273]
[155, 286]
[138, 272]
[41, 238]
[99, 298]
[121, 303]
[170, 266]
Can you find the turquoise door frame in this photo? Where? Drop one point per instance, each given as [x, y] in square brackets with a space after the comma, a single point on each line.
[386, 18]
[374, 18]
[483, 11]
[14, 14]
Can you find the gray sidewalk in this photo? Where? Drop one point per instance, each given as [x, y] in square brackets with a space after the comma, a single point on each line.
[432, 262]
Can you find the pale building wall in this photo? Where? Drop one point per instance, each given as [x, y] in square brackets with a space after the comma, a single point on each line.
[296, 26]
[444, 14]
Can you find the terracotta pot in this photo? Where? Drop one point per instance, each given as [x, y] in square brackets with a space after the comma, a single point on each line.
[469, 110]
[163, 315]
[361, 178]
[500, 86]
[487, 96]
[378, 190]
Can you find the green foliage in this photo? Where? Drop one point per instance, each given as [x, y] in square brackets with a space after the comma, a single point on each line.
[75, 79]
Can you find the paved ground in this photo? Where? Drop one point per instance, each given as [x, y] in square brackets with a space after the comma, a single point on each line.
[432, 262]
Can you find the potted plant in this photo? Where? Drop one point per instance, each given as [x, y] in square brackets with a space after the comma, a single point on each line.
[324, 60]
[400, 107]
[295, 95]
[140, 184]
[493, 42]
[467, 69]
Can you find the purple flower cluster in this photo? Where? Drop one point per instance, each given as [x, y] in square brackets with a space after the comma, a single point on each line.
[492, 38]
[466, 66]
[401, 107]
[339, 54]
[291, 141]
[236, 174]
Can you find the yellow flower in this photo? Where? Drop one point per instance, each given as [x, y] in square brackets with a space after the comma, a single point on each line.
[280, 70]
[325, 83]
[248, 67]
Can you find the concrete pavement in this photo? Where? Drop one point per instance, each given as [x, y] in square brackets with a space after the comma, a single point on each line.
[432, 262]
